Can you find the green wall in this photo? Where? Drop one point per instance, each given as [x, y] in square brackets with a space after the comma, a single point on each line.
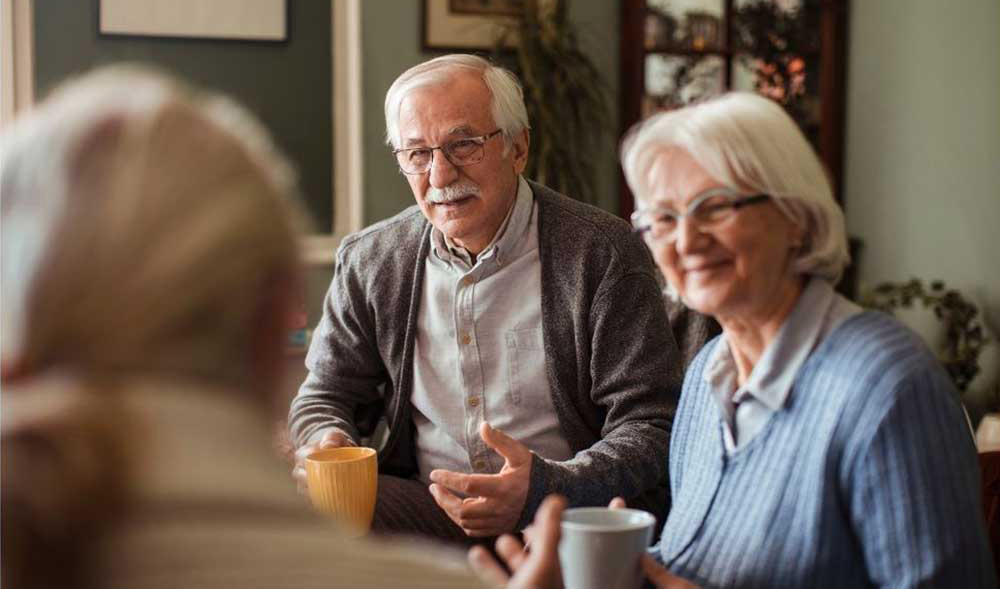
[286, 84]
[922, 174]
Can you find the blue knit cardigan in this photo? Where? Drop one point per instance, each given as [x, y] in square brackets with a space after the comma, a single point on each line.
[866, 477]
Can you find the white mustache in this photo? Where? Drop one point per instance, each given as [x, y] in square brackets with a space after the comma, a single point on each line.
[451, 193]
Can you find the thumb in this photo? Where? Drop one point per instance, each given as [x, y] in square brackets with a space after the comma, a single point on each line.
[514, 452]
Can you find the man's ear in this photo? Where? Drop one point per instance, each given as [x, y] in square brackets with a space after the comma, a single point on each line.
[519, 150]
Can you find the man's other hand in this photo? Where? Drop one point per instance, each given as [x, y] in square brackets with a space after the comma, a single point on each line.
[493, 502]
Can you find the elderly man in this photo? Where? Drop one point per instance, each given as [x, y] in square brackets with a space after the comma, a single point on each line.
[515, 340]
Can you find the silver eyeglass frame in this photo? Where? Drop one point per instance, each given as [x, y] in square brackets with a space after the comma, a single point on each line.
[735, 202]
[480, 140]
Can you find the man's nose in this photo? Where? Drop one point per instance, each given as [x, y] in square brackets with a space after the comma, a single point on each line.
[442, 172]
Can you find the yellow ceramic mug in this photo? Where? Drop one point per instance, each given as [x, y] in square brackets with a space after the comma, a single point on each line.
[343, 483]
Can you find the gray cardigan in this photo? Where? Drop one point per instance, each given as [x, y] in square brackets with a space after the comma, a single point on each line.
[611, 360]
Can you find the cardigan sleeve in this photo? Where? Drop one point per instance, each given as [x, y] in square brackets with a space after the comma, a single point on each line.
[913, 489]
[345, 368]
[635, 375]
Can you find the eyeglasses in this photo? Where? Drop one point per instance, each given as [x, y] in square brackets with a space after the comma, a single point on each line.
[460, 152]
[710, 208]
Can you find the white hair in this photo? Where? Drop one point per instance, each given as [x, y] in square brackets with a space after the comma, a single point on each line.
[507, 96]
[141, 229]
[749, 143]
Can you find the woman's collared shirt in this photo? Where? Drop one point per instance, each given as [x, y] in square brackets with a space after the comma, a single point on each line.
[746, 409]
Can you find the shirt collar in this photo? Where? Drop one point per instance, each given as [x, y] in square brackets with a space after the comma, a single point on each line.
[504, 241]
[774, 374]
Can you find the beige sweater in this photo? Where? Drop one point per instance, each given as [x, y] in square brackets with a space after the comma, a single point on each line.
[215, 509]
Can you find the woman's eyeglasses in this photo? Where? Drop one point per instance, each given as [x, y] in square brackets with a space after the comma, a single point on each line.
[710, 208]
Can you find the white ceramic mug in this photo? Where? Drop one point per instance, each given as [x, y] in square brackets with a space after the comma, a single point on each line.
[600, 547]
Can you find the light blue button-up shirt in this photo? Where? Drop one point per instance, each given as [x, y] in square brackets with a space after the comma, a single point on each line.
[478, 354]
[745, 410]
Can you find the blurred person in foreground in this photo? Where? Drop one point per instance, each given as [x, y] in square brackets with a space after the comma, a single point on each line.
[816, 444]
[149, 263]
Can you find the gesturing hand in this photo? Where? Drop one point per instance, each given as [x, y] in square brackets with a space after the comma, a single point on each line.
[494, 501]
[537, 568]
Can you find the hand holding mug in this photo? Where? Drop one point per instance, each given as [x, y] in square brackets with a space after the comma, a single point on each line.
[331, 439]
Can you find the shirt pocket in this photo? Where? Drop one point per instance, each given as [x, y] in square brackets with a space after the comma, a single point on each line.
[526, 367]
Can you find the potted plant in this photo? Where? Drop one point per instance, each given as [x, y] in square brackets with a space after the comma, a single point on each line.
[566, 98]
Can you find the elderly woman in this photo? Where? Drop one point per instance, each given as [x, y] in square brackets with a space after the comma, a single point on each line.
[149, 262]
[816, 444]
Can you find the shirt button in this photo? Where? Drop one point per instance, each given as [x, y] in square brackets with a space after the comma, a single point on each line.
[479, 465]
[474, 402]
[466, 339]
[468, 281]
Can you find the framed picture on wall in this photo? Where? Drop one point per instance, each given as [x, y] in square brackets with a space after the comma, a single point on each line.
[255, 20]
[468, 25]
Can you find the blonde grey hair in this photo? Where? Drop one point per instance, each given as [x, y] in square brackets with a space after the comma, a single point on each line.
[507, 96]
[142, 225]
[750, 144]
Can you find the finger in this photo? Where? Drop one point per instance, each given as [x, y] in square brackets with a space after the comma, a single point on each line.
[617, 503]
[547, 522]
[514, 452]
[478, 508]
[446, 501]
[528, 534]
[334, 439]
[511, 551]
[484, 527]
[301, 483]
[660, 576]
[486, 567]
[304, 451]
[485, 485]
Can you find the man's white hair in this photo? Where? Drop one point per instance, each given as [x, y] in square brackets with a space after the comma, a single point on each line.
[141, 229]
[749, 143]
[507, 96]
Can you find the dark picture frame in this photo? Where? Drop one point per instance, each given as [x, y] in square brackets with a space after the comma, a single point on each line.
[466, 25]
[225, 20]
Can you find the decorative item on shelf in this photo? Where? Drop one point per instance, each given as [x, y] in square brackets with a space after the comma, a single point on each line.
[702, 31]
[566, 98]
[964, 336]
[661, 29]
[775, 44]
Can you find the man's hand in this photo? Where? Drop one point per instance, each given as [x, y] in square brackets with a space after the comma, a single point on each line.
[493, 502]
[535, 569]
[331, 439]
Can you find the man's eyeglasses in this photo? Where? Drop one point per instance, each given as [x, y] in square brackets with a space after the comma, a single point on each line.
[710, 208]
[460, 152]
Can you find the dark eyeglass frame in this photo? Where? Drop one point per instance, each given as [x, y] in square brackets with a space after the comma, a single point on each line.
[734, 203]
[446, 149]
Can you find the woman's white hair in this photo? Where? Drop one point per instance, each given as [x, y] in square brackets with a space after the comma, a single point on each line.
[749, 143]
[507, 96]
[142, 225]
